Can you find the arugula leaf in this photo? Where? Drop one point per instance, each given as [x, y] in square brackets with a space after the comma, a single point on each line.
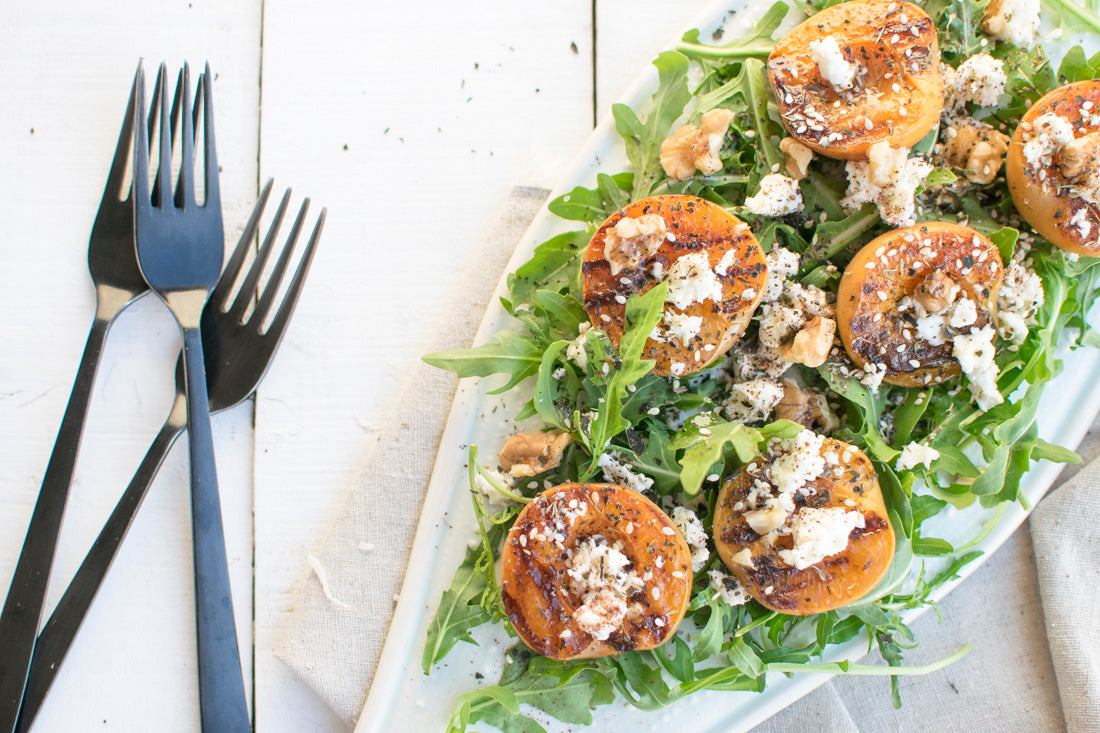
[458, 612]
[1076, 67]
[553, 266]
[594, 205]
[512, 354]
[958, 22]
[643, 140]
[1074, 17]
[703, 448]
[756, 44]
[642, 314]
[566, 691]
[1005, 238]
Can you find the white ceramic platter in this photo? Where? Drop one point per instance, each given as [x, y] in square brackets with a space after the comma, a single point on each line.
[402, 698]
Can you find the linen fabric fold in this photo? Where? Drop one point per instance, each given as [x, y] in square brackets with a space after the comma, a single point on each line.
[334, 636]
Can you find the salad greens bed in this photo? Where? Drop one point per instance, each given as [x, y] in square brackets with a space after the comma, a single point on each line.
[608, 404]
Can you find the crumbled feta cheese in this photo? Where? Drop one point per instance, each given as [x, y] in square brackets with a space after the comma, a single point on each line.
[491, 498]
[902, 174]
[752, 401]
[599, 574]
[695, 535]
[872, 376]
[574, 350]
[932, 329]
[742, 557]
[1049, 132]
[974, 352]
[683, 328]
[1021, 291]
[691, 280]
[766, 519]
[819, 533]
[633, 240]
[728, 588]
[797, 461]
[1015, 21]
[915, 454]
[778, 195]
[1020, 296]
[778, 323]
[980, 79]
[615, 471]
[1080, 219]
[782, 263]
[1011, 327]
[834, 68]
[964, 313]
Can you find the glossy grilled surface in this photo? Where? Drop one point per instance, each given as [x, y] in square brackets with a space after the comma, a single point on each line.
[872, 328]
[1042, 195]
[698, 226]
[901, 95]
[535, 560]
[838, 579]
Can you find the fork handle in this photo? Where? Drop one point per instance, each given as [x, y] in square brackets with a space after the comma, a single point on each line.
[222, 702]
[27, 594]
[60, 630]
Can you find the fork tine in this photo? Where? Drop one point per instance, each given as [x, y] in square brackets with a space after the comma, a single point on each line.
[164, 164]
[122, 150]
[175, 118]
[248, 287]
[290, 298]
[264, 304]
[213, 195]
[220, 295]
[140, 189]
[185, 193]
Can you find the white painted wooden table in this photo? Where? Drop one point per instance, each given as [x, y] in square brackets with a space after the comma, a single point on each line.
[409, 121]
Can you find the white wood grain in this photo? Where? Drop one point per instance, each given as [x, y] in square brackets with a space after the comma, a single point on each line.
[410, 124]
[68, 68]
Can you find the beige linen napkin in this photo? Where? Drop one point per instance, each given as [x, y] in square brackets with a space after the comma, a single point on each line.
[333, 637]
[1009, 682]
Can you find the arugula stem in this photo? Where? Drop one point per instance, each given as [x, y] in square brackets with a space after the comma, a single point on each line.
[699, 51]
[758, 622]
[859, 225]
[1068, 7]
[985, 530]
[868, 670]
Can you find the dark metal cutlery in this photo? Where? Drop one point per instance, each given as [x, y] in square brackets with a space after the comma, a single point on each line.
[237, 352]
[118, 282]
[179, 245]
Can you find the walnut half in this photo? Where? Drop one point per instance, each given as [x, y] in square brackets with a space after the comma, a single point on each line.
[529, 454]
[1078, 156]
[936, 291]
[632, 241]
[978, 150]
[696, 146]
[811, 345]
[797, 158]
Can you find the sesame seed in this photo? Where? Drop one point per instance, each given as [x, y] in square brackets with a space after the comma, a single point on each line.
[914, 363]
[620, 300]
[653, 411]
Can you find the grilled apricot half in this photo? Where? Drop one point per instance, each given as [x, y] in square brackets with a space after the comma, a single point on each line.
[1046, 174]
[896, 94]
[713, 264]
[900, 265]
[590, 570]
[761, 561]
